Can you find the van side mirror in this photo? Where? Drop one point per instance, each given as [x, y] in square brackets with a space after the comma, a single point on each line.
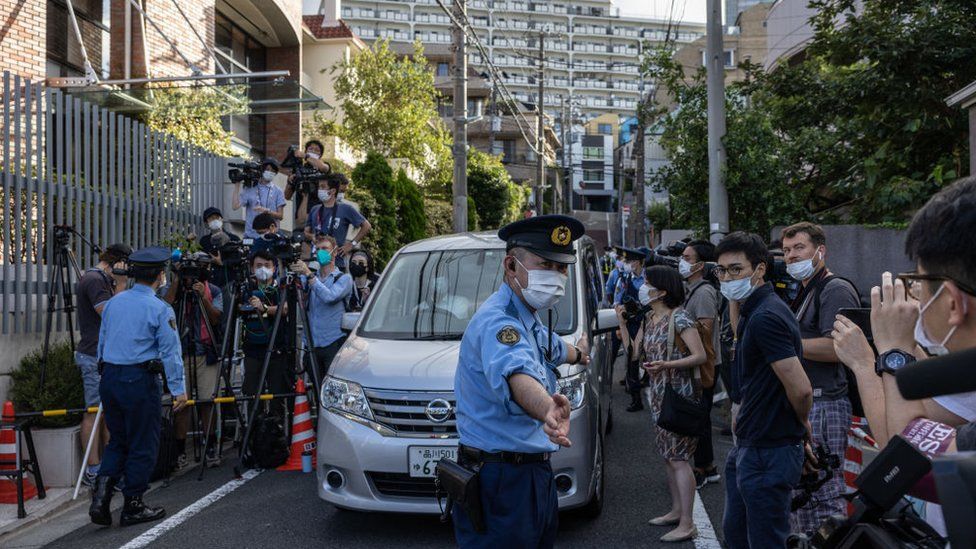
[349, 321]
[606, 321]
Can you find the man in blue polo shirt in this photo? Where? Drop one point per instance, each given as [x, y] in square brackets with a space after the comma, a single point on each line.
[333, 218]
[774, 394]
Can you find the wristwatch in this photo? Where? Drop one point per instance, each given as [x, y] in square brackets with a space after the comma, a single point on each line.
[354, 243]
[891, 361]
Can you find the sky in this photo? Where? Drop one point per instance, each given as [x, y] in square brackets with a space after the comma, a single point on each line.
[694, 10]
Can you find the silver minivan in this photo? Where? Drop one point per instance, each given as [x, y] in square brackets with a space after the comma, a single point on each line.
[387, 411]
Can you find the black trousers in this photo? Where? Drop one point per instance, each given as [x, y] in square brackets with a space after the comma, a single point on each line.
[279, 380]
[704, 454]
[324, 357]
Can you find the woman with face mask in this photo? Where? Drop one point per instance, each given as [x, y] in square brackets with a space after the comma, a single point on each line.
[672, 353]
[363, 277]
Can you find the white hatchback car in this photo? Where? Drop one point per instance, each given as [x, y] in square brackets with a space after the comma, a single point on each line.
[388, 402]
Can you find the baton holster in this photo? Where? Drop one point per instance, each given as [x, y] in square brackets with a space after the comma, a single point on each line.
[463, 488]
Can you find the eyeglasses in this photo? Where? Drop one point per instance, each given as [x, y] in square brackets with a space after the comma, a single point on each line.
[913, 283]
[734, 270]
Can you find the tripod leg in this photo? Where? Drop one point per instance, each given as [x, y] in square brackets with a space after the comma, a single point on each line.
[53, 281]
[264, 373]
[312, 359]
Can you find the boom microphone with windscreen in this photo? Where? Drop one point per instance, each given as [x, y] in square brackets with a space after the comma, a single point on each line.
[945, 375]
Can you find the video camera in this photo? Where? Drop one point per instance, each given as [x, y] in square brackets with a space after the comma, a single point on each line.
[247, 173]
[669, 255]
[305, 177]
[809, 484]
[193, 268]
[785, 286]
[286, 249]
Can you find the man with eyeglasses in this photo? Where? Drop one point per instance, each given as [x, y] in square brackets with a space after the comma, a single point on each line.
[774, 395]
[929, 312]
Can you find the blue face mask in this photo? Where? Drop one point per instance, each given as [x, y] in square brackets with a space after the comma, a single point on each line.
[324, 257]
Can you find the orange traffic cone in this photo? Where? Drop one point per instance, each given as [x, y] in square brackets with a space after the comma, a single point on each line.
[302, 432]
[8, 461]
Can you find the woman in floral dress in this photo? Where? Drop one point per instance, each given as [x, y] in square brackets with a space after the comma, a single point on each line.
[664, 291]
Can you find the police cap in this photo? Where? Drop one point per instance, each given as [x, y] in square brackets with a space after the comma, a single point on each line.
[547, 236]
[149, 259]
[631, 254]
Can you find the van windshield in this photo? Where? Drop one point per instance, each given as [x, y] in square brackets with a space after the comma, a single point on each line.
[433, 295]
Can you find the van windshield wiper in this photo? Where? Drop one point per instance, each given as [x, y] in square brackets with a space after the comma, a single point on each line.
[434, 337]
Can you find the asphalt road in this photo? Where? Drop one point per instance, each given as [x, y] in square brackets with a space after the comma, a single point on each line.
[276, 509]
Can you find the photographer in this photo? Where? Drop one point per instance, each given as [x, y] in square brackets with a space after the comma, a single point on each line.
[312, 156]
[266, 229]
[95, 287]
[821, 295]
[333, 218]
[327, 292]
[199, 345]
[258, 309]
[775, 397]
[265, 197]
[211, 243]
[702, 304]
[928, 312]
[363, 278]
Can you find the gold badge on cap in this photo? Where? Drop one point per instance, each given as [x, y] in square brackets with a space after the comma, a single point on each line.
[508, 336]
[562, 236]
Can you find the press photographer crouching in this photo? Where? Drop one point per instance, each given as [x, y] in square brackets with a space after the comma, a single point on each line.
[334, 218]
[328, 288]
[198, 304]
[259, 304]
[266, 229]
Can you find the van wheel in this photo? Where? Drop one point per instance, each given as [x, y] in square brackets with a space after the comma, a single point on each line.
[594, 507]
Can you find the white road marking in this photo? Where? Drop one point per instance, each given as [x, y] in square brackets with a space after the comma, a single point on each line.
[155, 532]
[706, 534]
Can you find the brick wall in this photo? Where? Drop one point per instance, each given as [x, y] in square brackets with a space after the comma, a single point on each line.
[162, 59]
[22, 37]
[284, 129]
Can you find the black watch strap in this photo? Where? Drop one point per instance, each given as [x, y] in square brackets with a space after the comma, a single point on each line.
[892, 361]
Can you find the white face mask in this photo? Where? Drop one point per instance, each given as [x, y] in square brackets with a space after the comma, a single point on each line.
[340, 196]
[323, 195]
[922, 338]
[619, 264]
[312, 155]
[737, 290]
[268, 176]
[684, 268]
[628, 268]
[644, 294]
[263, 274]
[802, 270]
[544, 289]
[216, 224]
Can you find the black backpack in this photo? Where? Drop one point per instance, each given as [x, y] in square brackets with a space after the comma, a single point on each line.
[268, 447]
[169, 451]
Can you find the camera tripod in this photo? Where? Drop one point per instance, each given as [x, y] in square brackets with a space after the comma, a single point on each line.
[291, 288]
[59, 282]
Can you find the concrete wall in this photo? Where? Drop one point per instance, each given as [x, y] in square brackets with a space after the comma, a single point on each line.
[861, 254]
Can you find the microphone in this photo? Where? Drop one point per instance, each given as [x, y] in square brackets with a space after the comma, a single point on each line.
[945, 375]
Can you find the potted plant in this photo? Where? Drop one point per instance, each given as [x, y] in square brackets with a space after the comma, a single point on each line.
[56, 439]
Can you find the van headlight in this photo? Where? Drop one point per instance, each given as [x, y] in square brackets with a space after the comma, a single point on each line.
[345, 396]
[574, 389]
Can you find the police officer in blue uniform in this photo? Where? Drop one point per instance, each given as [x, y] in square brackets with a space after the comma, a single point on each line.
[510, 417]
[628, 285]
[136, 343]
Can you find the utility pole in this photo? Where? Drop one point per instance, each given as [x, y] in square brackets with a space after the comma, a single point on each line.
[540, 131]
[563, 120]
[572, 168]
[493, 119]
[718, 198]
[460, 124]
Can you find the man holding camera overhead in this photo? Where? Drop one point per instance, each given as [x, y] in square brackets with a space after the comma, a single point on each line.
[334, 218]
[311, 156]
[265, 197]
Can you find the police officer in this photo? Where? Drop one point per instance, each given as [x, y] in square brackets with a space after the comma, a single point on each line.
[509, 415]
[626, 295]
[137, 341]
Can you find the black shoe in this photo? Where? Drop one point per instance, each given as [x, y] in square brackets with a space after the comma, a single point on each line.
[135, 512]
[635, 406]
[623, 382]
[101, 505]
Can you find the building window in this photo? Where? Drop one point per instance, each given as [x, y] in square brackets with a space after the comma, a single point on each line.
[240, 52]
[63, 51]
[508, 151]
[443, 69]
[605, 129]
[593, 176]
[729, 59]
[592, 153]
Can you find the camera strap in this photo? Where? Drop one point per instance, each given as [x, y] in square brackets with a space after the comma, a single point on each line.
[332, 215]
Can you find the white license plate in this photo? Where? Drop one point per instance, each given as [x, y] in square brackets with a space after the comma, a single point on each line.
[422, 459]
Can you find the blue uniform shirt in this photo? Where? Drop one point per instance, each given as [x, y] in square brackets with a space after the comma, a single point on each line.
[621, 290]
[138, 326]
[612, 284]
[326, 304]
[502, 339]
[263, 194]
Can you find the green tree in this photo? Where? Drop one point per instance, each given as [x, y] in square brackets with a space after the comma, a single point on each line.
[410, 214]
[474, 222]
[488, 185]
[193, 115]
[389, 105]
[439, 215]
[375, 177]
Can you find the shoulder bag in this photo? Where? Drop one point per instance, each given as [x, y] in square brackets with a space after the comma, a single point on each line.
[679, 414]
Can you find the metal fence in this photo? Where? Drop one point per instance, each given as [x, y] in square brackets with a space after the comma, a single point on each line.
[69, 162]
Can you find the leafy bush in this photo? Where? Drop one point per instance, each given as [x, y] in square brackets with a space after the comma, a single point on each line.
[439, 214]
[474, 222]
[376, 177]
[410, 214]
[62, 385]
